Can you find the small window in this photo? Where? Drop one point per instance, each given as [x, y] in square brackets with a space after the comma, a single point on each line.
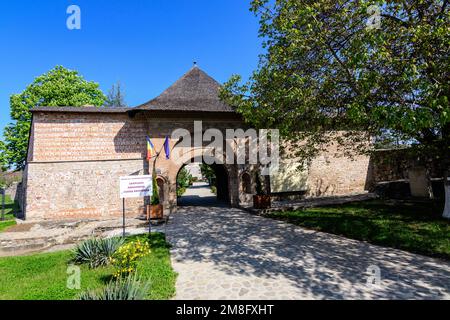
[246, 183]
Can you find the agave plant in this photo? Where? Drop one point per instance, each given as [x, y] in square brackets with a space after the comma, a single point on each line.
[96, 252]
[126, 288]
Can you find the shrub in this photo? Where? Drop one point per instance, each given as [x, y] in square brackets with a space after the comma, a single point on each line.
[154, 201]
[126, 257]
[126, 288]
[96, 252]
[181, 191]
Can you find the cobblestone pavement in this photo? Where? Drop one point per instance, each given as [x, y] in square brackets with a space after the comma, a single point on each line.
[197, 195]
[223, 253]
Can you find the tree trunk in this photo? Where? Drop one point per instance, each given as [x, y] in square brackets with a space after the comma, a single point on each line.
[446, 213]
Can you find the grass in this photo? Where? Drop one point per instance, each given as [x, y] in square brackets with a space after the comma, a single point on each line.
[10, 207]
[6, 224]
[44, 276]
[410, 226]
[157, 268]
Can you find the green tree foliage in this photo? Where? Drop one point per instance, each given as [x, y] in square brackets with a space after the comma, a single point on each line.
[116, 97]
[208, 173]
[58, 87]
[326, 67]
[155, 191]
[184, 180]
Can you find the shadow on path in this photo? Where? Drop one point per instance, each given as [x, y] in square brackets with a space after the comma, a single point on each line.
[230, 254]
[200, 195]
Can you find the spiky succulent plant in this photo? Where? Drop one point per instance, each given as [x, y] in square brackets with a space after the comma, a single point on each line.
[96, 252]
[125, 288]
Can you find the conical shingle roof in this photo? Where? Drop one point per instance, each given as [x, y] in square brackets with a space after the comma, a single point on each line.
[195, 91]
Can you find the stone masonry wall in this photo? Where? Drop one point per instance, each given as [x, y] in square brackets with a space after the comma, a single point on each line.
[80, 190]
[332, 173]
[75, 161]
[392, 165]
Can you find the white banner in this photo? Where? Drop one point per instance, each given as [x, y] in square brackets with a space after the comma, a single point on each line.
[135, 186]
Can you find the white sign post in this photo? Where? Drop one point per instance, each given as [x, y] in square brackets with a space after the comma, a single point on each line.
[134, 187]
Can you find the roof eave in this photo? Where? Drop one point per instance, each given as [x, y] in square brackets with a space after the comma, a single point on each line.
[80, 109]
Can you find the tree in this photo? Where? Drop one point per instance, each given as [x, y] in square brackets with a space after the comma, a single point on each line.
[328, 67]
[208, 173]
[155, 191]
[58, 87]
[184, 180]
[116, 97]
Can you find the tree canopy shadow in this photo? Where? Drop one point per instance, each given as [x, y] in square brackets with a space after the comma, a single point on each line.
[319, 264]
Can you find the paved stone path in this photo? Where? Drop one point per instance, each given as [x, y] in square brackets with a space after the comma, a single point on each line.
[223, 253]
[198, 195]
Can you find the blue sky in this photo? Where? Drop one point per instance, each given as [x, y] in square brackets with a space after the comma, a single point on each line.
[144, 44]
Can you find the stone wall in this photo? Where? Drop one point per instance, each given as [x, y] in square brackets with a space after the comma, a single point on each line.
[75, 161]
[75, 190]
[330, 174]
[333, 174]
[399, 174]
[393, 165]
[13, 190]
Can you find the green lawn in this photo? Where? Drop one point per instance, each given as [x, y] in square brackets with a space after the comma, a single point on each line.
[6, 224]
[415, 227]
[44, 277]
[10, 207]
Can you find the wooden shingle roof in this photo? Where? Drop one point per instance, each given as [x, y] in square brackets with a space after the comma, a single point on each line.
[195, 91]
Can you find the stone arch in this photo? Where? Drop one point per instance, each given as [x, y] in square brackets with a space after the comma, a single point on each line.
[227, 172]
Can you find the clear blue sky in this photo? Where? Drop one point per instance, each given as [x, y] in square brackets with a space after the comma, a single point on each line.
[145, 44]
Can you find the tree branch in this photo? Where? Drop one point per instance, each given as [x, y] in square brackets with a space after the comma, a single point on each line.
[393, 18]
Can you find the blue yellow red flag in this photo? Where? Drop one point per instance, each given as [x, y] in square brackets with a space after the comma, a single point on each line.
[151, 152]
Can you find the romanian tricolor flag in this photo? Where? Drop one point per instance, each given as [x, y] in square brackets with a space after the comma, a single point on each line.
[151, 152]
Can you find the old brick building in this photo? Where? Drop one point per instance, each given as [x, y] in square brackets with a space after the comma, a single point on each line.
[76, 155]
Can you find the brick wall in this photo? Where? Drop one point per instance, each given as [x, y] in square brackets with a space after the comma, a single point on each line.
[77, 137]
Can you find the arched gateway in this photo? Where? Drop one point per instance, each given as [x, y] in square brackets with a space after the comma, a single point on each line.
[77, 155]
[87, 149]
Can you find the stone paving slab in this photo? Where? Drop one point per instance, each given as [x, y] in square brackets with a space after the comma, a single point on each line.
[47, 236]
[224, 253]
